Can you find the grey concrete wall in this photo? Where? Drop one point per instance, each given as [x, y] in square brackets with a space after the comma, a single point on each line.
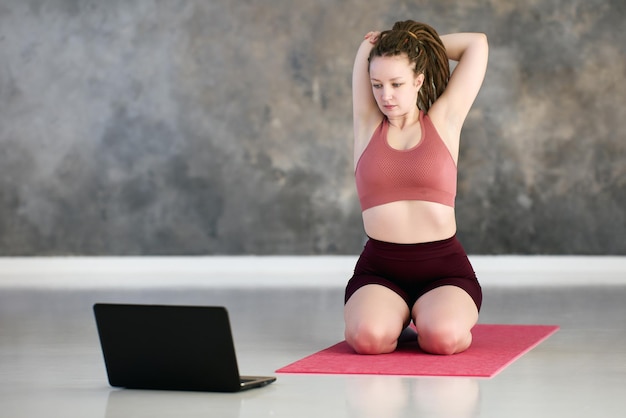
[224, 127]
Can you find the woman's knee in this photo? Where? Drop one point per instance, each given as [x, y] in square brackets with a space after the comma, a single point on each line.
[444, 319]
[368, 338]
[374, 318]
[444, 339]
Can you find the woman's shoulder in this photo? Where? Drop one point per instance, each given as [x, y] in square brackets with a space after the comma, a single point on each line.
[435, 116]
[364, 127]
[448, 134]
[364, 134]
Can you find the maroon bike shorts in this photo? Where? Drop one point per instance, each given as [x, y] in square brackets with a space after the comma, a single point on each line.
[411, 270]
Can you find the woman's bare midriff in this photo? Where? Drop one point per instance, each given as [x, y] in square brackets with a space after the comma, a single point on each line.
[410, 222]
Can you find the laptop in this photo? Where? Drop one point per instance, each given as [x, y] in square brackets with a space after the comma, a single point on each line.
[170, 347]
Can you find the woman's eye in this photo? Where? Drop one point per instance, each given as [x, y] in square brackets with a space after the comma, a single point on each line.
[377, 86]
[396, 84]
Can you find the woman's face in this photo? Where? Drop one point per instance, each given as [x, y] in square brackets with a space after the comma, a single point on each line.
[394, 84]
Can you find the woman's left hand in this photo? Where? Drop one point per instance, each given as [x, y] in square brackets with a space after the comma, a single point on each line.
[372, 36]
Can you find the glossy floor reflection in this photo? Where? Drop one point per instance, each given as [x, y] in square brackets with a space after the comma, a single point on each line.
[51, 365]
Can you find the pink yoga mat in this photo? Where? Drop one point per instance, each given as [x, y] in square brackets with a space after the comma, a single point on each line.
[494, 347]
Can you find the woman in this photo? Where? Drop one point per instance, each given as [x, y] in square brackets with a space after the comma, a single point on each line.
[408, 115]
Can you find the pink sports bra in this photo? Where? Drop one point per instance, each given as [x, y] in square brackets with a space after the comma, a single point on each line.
[425, 172]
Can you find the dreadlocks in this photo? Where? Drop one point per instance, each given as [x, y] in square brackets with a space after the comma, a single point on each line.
[425, 50]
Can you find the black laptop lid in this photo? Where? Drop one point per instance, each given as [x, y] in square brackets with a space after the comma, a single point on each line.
[167, 347]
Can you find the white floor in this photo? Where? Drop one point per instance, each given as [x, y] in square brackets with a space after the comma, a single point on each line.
[283, 308]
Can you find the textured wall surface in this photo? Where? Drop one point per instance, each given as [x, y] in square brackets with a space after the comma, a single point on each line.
[224, 127]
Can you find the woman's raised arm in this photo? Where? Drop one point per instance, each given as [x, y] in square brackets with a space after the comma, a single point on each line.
[364, 107]
[471, 50]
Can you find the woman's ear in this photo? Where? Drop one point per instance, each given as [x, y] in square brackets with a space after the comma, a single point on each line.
[419, 80]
